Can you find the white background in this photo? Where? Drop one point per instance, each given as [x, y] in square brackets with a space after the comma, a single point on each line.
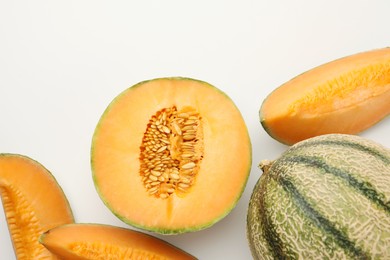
[62, 62]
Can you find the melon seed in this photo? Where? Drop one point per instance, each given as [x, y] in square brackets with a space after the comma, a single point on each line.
[189, 165]
[174, 176]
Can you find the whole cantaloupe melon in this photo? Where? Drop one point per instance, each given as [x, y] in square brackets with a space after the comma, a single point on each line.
[327, 197]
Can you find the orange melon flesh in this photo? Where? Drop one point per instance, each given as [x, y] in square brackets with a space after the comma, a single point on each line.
[347, 96]
[223, 171]
[33, 203]
[97, 241]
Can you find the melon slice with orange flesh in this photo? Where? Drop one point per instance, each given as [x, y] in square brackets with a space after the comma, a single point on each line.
[97, 241]
[33, 203]
[346, 96]
[171, 155]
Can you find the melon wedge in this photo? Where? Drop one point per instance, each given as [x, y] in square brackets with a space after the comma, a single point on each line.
[171, 155]
[33, 203]
[98, 241]
[344, 96]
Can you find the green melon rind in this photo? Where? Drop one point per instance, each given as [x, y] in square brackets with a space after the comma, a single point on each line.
[162, 230]
[255, 226]
[377, 196]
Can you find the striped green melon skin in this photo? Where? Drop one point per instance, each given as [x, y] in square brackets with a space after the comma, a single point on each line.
[327, 197]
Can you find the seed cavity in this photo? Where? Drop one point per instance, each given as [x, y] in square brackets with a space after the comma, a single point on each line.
[99, 250]
[171, 151]
[22, 222]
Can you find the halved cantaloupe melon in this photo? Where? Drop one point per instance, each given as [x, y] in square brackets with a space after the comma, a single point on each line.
[171, 155]
[97, 241]
[33, 203]
[344, 96]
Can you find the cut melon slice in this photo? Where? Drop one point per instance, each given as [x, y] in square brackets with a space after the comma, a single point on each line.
[33, 203]
[98, 241]
[345, 96]
[171, 155]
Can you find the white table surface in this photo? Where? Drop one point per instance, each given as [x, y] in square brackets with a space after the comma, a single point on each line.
[62, 62]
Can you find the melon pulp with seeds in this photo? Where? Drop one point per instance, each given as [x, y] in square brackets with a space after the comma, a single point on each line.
[344, 96]
[327, 197]
[171, 155]
[96, 241]
[33, 203]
